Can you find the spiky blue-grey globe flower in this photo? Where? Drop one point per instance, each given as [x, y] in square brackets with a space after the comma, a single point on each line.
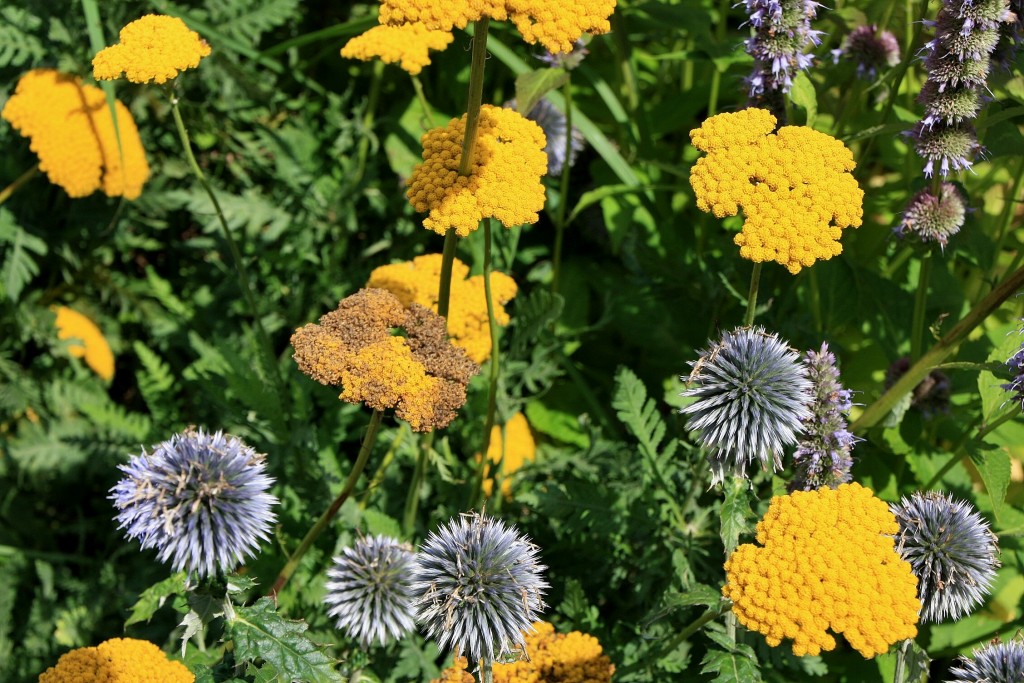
[951, 551]
[553, 123]
[199, 498]
[822, 456]
[1016, 385]
[995, 663]
[782, 36]
[369, 590]
[752, 395]
[871, 49]
[933, 218]
[478, 587]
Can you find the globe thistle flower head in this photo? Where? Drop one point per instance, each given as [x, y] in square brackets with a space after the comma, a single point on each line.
[870, 49]
[199, 498]
[930, 396]
[822, 456]
[934, 219]
[154, 48]
[752, 395]
[553, 123]
[993, 663]
[478, 586]
[369, 590]
[1016, 385]
[951, 550]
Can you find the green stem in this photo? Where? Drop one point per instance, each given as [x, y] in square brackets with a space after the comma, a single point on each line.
[269, 359]
[1009, 209]
[816, 301]
[961, 452]
[901, 662]
[428, 113]
[357, 469]
[920, 305]
[385, 463]
[694, 626]
[21, 180]
[444, 287]
[716, 73]
[486, 670]
[563, 190]
[755, 279]
[368, 117]
[942, 349]
[412, 496]
[492, 388]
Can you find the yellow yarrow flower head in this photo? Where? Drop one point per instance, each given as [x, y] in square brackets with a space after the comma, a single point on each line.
[504, 176]
[154, 48]
[794, 186]
[87, 341]
[408, 45]
[417, 281]
[72, 132]
[512, 448]
[421, 375]
[555, 24]
[118, 660]
[826, 560]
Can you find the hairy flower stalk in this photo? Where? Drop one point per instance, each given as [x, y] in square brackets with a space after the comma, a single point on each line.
[822, 456]
[994, 663]
[782, 36]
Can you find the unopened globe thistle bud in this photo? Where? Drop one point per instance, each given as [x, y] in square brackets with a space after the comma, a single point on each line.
[934, 219]
[870, 49]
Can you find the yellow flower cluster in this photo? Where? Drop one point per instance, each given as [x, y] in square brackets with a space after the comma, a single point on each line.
[550, 658]
[408, 45]
[503, 181]
[555, 24]
[794, 186]
[421, 375]
[118, 660]
[153, 48]
[88, 341]
[417, 281]
[517, 447]
[826, 561]
[72, 132]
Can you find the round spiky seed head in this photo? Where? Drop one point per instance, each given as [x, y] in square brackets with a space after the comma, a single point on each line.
[752, 394]
[994, 663]
[478, 587]
[951, 551]
[200, 499]
[369, 590]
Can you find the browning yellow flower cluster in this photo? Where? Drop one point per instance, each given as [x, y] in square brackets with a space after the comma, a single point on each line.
[827, 560]
[417, 282]
[551, 658]
[72, 132]
[408, 45]
[517, 447]
[504, 178]
[421, 375]
[794, 186]
[87, 342]
[555, 24]
[118, 660]
[153, 48]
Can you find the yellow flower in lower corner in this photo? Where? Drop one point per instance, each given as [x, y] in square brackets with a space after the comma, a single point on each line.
[118, 660]
[504, 176]
[407, 45]
[154, 48]
[826, 560]
[87, 341]
[794, 186]
[512, 449]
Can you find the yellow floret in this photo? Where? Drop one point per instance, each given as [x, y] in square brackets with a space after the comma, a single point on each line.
[408, 45]
[72, 132]
[503, 181]
[118, 660]
[417, 282]
[87, 341]
[826, 560]
[555, 24]
[794, 186]
[154, 48]
[512, 449]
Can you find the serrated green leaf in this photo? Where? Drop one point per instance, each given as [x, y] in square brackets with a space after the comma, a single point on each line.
[18, 266]
[533, 86]
[699, 594]
[802, 95]
[734, 663]
[916, 663]
[994, 468]
[153, 598]
[156, 383]
[379, 523]
[640, 414]
[259, 632]
[735, 511]
[990, 386]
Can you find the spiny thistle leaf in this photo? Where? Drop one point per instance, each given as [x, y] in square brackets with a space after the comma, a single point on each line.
[153, 598]
[259, 632]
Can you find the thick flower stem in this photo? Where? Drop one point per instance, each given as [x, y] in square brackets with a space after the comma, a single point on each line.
[920, 304]
[563, 190]
[357, 469]
[269, 359]
[21, 180]
[486, 670]
[755, 279]
[428, 113]
[492, 389]
[716, 73]
[444, 289]
[942, 349]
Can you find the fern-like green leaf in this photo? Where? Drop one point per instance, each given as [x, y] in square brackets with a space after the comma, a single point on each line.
[18, 266]
[640, 415]
[250, 19]
[19, 39]
[259, 632]
[157, 385]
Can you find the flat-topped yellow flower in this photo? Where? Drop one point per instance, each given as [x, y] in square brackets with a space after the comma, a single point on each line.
[154, 48]
[516, 448]
[826, 560]
[417, 282]
[118, 660]
[503, 181]
[87, 341]
[794, 186]
[72, 133]
[407, 45]
[555, 24]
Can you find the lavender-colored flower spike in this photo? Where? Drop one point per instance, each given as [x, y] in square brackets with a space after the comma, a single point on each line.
[478, 587]
[994, 663]
[934, 219]
[200, 499]
[782, 34]
[870, 49]
[822, 456]
[1016, 385]
[752, 396]
[950, 550]
[369, 591]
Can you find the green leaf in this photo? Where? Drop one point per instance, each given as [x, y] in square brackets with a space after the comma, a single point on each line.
[18, 266]
[734, 663]
[916, 663]
[1006, 340]
[803, 96]
[533, 86]
[556, 424]
[699, 594]
[994, 468]
[156, 383]
[259, 632]
[153, 598]
[735, 510]
[640, 414]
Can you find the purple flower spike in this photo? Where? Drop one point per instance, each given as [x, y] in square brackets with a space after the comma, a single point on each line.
[782, 34]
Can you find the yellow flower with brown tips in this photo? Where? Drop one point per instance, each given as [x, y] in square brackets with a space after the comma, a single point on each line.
[154, 48]
[118, 660]
[86, 341]
[407, 45]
